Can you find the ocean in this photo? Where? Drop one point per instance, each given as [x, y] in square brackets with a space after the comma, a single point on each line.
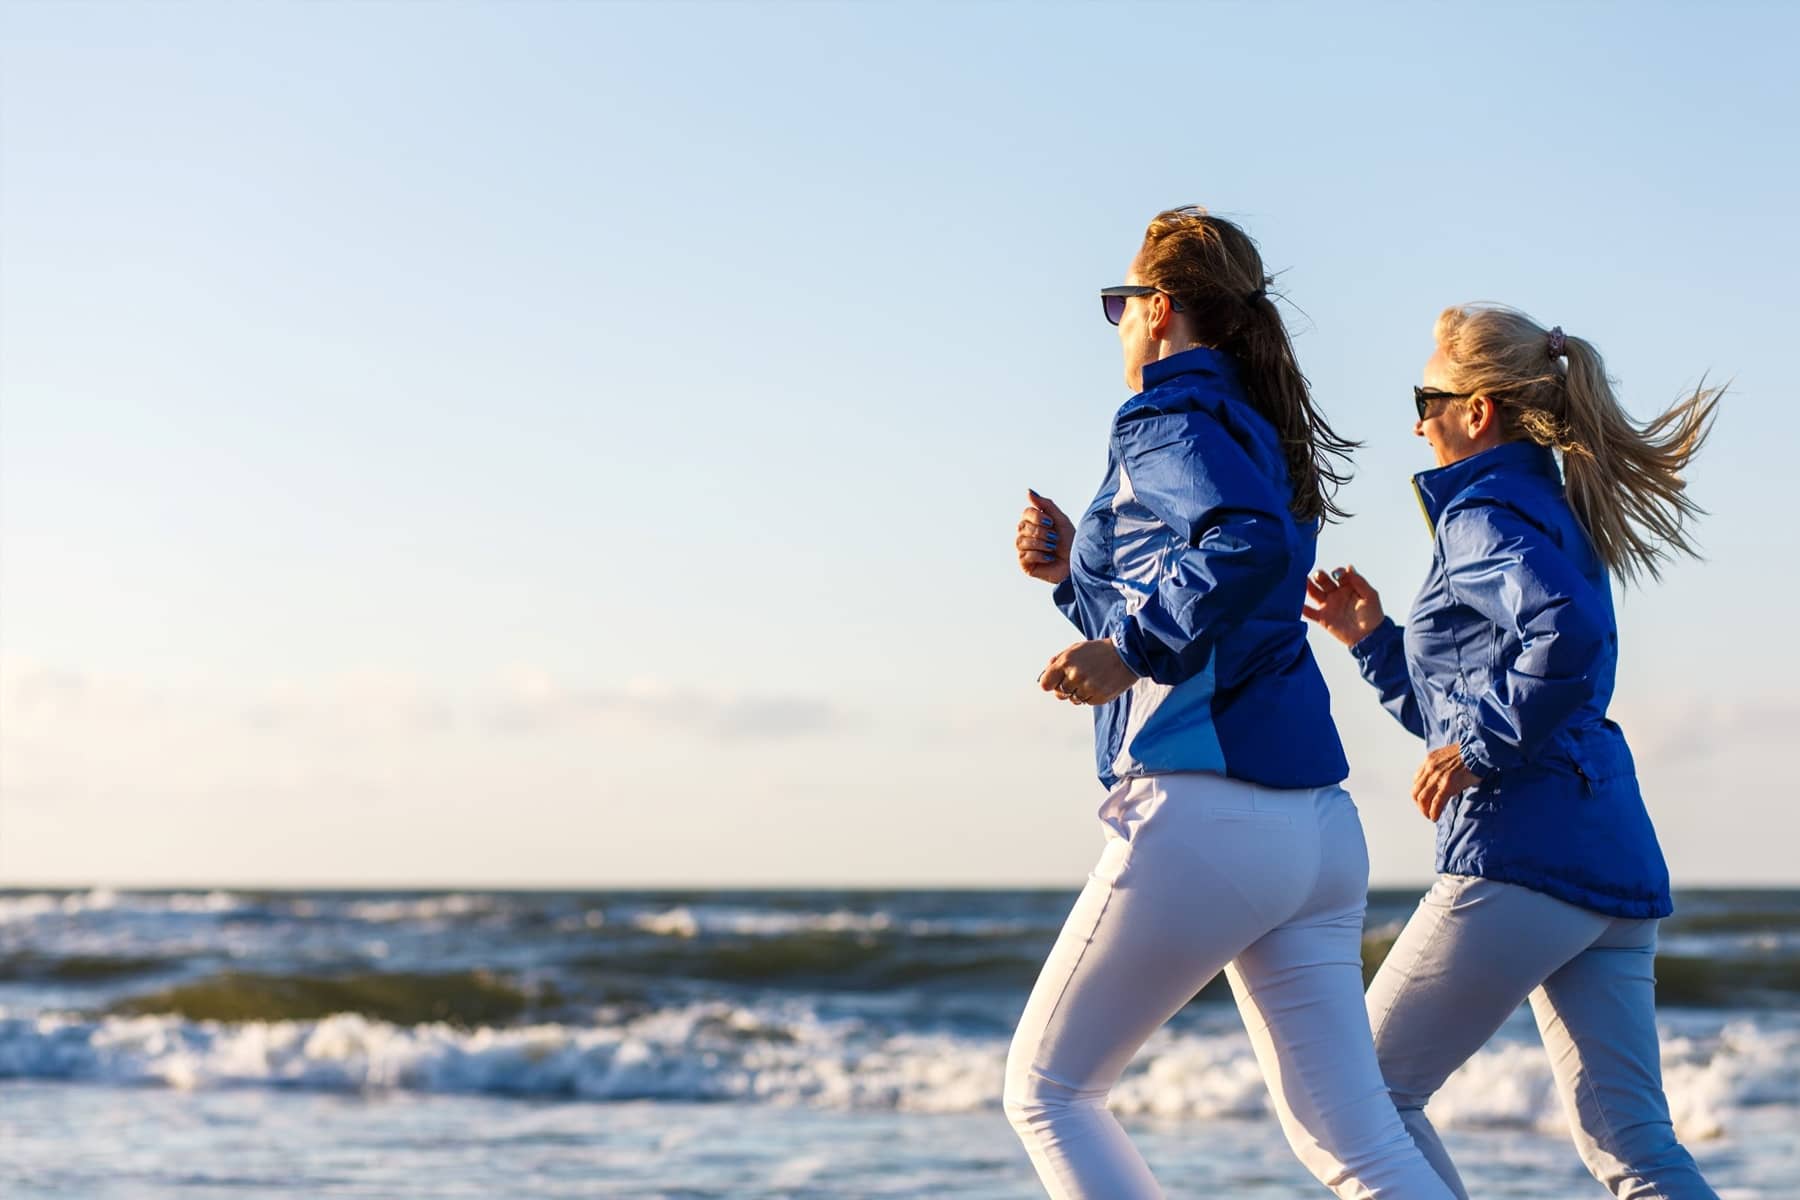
[732, 1044]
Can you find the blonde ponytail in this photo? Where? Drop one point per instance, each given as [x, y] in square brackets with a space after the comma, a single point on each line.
[1623, 479]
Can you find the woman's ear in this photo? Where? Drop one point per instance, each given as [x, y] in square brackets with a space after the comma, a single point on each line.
[1160, 316]
[1483, 415]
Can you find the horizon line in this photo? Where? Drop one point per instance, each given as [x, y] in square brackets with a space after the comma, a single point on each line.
[9, 886]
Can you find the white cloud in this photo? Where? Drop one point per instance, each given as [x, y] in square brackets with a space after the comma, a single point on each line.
[533, 700]
[368, 701]
[39, 701]
[372, 775]
[1702, 730]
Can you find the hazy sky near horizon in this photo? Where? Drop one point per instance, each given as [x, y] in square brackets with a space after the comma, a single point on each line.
[580, 443]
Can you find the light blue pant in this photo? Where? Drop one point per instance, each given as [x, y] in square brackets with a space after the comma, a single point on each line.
[1471, 953]
[1201, 873]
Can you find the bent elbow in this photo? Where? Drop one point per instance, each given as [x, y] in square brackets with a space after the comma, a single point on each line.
[1577, 639]
[1269, 552]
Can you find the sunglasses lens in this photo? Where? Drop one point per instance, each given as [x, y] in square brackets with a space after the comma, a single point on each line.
[1114, 308]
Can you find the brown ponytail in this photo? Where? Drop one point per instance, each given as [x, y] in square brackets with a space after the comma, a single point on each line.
[1213, 270]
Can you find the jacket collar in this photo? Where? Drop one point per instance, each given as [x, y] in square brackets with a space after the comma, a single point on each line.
[1438, 487]
[1201, 360]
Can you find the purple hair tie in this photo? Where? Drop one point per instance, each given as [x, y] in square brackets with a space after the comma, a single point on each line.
[1557, 342]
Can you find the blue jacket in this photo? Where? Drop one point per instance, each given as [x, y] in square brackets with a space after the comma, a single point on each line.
[1510, 654]
[1190, 561]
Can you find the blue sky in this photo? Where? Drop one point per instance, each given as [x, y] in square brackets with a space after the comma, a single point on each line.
[579, 443]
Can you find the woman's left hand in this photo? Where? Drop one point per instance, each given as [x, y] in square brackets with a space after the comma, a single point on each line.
[1442, 776]
[1087, 673]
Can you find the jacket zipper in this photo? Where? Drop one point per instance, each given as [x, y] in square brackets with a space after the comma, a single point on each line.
[1419, 495]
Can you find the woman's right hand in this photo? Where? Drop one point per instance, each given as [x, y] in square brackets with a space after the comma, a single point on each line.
[1044, 534]
[1343, 604]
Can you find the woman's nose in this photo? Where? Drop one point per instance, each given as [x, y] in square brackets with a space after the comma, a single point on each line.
[1419, 428]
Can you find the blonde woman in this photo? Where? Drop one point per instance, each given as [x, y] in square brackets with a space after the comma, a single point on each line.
[1229, 844]
[1551, 882]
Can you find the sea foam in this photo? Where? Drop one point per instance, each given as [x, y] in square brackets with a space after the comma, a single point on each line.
[786, 1054]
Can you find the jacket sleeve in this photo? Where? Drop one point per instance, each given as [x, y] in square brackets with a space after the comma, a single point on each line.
[1508, 570]
[1066, 599]
[1233, 536]
[1381, 657]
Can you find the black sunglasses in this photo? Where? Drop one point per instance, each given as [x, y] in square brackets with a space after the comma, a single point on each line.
[1112, 300]
[1423, 397]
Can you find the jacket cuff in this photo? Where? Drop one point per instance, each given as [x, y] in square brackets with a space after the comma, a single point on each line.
[1376, 640]
[1128, 640]
[1064, 593]
[1473, 756]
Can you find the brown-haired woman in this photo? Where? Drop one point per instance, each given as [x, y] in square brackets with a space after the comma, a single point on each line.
[1229, 843]
[1550, 881]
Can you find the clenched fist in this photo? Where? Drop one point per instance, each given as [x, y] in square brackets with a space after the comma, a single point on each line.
[1044, 533]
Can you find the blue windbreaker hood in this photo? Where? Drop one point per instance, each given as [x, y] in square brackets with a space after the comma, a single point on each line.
[1436, 488]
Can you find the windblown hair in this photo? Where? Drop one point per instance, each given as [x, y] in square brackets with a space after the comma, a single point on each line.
[1623, 479]
[1213, 270]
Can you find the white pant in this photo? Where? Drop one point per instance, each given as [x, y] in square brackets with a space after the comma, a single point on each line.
[1474, 949]
[1202, 872]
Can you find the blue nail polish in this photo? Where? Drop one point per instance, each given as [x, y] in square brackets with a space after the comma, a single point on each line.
[1048, 521]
